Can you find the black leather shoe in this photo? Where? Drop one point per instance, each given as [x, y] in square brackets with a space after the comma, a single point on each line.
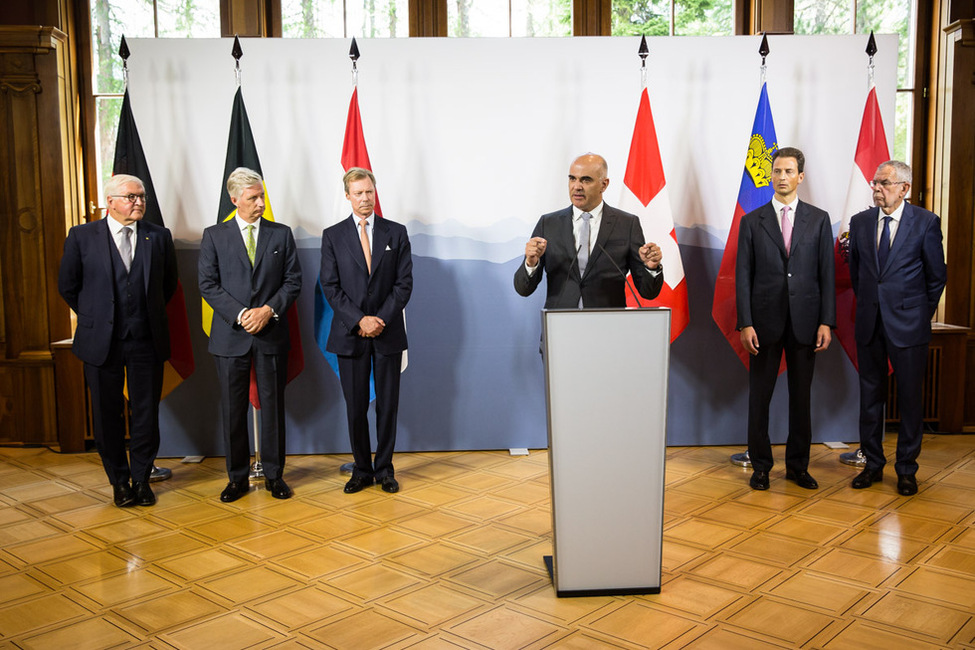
[357, 483]
[278, 488]
[867, 477]
[759, 480]
[234, 491]
[802, 479]
[390, 485]
[123, 494]
[143, 494]
[906, 484]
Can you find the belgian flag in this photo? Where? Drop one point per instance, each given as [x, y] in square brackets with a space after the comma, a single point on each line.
[131, 159]
[242, 152]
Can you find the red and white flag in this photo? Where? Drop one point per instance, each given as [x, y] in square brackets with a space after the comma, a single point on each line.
[870, 153]
[645, 195]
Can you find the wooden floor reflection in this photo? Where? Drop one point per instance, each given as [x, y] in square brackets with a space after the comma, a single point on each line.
[455, 559]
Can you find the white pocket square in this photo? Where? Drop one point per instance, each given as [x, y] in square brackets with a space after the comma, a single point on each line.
[388, 248]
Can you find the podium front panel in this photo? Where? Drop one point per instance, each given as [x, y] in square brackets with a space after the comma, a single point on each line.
[606, 389]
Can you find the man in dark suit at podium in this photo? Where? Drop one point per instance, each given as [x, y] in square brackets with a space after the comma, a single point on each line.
[587, 248]
[786, 300]
[117, 274]
[897, 266]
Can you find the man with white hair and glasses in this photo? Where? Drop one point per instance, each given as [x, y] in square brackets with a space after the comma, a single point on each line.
[117, 274]
[897, 267]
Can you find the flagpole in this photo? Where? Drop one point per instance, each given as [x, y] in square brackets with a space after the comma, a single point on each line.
[257, 469]
[156, 474]
[856, 458]
[348, 468]
[743, 459]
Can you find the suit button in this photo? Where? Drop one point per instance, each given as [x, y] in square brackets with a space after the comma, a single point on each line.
[789, 275]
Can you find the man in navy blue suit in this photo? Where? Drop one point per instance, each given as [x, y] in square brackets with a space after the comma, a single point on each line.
[897, 267]
[250, 275]
[117, 274]
[367, 279]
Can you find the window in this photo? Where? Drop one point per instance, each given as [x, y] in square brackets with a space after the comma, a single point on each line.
[881, 17]
[344, 18]
[110, 20]
[673, 18]
[509, 18]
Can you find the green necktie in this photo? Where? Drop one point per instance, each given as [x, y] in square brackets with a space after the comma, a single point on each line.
[251, 245]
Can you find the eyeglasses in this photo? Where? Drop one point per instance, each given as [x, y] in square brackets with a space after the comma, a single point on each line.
[131, 198]
[885, 184]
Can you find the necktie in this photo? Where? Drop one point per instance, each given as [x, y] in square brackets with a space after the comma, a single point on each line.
[251, 245]
[126, 249]
[883, 246]
[786, 229]
[364, 240]
[584, 242]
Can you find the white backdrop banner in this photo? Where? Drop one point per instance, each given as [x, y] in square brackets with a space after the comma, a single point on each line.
[470, 140]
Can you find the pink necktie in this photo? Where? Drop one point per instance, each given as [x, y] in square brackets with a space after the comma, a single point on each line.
[786, 229]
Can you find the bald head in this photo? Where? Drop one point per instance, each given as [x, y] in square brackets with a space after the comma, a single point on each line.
[588, 179]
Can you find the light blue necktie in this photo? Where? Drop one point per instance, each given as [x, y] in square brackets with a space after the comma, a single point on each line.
[584, 242]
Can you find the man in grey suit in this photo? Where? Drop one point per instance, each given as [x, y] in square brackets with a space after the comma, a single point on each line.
[897, 267]
[117, 274]
[250, 275]
[786, 300]
[587, 249]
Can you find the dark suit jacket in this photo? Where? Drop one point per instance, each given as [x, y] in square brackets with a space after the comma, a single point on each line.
[620, 236]
[907, 290]
[229, 284]
[769, 286]
[353, 293]
[86, 281]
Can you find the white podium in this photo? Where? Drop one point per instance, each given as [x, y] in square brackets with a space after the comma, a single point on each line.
[606, 376]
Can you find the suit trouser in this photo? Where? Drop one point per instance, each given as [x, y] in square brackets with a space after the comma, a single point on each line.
[136, 360]
[910, 365]
[354, 374]
[763, 370]
[271, 373]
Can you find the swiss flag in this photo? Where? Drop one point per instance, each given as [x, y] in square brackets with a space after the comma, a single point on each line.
[645, 195]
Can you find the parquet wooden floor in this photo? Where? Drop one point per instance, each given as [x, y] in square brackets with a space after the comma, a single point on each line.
[455, 559]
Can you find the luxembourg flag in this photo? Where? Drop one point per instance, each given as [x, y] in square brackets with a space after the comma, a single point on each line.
[870, 153]
[645, 195]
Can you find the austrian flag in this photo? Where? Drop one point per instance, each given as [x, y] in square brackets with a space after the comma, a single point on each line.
[645, 195]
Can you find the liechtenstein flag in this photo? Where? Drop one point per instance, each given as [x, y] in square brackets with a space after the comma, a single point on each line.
[755, 190]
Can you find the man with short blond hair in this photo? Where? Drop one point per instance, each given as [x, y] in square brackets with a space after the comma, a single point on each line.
[250, 275]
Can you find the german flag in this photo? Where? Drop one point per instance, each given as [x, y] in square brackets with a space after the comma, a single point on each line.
[131, 159]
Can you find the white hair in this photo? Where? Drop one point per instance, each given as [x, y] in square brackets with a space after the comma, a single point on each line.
[902, 171]
[240, 179]
[115, 183]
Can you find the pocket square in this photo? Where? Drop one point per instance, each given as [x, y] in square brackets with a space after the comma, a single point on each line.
[388, 248]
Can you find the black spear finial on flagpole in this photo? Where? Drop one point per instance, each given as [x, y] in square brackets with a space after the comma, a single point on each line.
[871, 50]
[354, 55]
[237, 52]
[763, 49]
[871, 44]
[643, 52]
[123, 51]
